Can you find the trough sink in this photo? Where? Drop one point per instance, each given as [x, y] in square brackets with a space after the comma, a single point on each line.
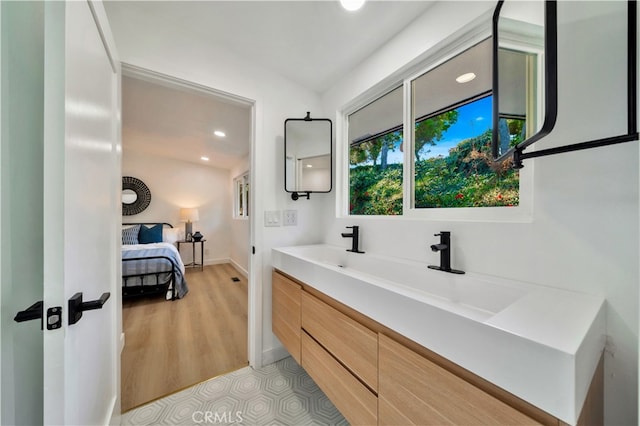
[540, 343]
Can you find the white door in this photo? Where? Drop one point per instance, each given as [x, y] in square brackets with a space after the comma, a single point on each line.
[82, 212]
[21, 181]
[78, 207]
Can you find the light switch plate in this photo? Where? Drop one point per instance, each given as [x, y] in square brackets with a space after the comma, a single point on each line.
[290, 218]
[272, 218]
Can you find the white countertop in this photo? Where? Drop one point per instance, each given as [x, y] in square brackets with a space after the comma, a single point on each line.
[539, 343]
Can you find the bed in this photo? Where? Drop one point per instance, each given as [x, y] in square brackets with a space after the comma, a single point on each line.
[151, 264]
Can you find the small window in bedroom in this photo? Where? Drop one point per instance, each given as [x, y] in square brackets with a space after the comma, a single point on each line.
[241, 196]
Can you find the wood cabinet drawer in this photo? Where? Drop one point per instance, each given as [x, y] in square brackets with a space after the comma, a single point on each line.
[349, 341]
[286, 317]
[356, 403]
[414, 390]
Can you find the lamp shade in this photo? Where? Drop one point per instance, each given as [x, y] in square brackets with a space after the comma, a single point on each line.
[189, 215]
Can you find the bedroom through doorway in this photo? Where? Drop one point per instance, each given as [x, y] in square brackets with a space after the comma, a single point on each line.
[189, 145]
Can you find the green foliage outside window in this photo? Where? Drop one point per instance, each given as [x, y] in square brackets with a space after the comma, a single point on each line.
[376, 186]
[466, 177]
[430, 131]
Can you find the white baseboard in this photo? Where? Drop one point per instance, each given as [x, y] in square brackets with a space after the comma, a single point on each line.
[272, 355]
[216, 261]
[240, 269]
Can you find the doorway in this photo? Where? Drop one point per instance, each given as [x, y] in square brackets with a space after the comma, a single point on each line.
[167, 143]
[174, 345]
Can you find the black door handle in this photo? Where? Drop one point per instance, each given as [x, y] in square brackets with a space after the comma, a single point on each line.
[35, 311]
[77, 306]
[32, 312]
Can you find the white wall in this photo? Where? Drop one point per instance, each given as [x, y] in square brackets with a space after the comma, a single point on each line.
[276, 99]
[584, 232]
[175, 184]
[239, 226]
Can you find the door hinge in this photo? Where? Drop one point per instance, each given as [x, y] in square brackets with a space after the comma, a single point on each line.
[253, 249]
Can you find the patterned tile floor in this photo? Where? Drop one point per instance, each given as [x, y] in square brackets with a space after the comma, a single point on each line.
[279, 394]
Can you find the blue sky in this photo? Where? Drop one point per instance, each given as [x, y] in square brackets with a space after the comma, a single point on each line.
[473, 119]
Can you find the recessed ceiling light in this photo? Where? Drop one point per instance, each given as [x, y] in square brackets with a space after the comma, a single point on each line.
[465, 78]
[204, 158]
[309, 165]
[352, 5]
[220, 133]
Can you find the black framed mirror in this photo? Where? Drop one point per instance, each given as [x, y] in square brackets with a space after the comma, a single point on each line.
[136, 196]
[525, 82]
[308, 156]
[602, 37]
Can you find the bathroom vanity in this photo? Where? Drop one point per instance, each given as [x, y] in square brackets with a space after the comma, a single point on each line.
[389, 347]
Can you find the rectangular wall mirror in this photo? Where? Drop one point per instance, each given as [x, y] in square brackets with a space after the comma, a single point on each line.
[528, 75]
[520, 77]
[308, 164]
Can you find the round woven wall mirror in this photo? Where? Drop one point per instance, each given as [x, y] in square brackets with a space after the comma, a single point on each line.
[135, 196]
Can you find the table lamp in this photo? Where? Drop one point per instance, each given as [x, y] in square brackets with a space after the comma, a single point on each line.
[188, 216]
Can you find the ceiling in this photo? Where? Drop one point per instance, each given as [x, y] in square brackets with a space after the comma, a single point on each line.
[177, 122]
[313, 43]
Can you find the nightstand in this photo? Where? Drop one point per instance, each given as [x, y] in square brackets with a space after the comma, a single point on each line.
[193, 251]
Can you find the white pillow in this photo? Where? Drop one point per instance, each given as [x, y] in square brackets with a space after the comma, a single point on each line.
[171, 235]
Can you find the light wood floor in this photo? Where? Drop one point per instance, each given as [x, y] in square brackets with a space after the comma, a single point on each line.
[173, 345]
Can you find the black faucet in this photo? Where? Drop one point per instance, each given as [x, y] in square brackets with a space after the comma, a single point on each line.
[445, 253]
[355, 237]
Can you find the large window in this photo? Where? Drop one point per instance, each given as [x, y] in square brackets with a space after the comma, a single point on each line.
[453, 161]
[375, 157]
[450, 162]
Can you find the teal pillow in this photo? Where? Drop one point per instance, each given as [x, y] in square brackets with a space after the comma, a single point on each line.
[150, 235]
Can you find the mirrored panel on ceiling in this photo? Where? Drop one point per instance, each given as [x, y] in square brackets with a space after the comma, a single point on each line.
[308, 156]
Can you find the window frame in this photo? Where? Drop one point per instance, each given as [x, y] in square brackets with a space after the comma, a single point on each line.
[432, 59]
[241, 196]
